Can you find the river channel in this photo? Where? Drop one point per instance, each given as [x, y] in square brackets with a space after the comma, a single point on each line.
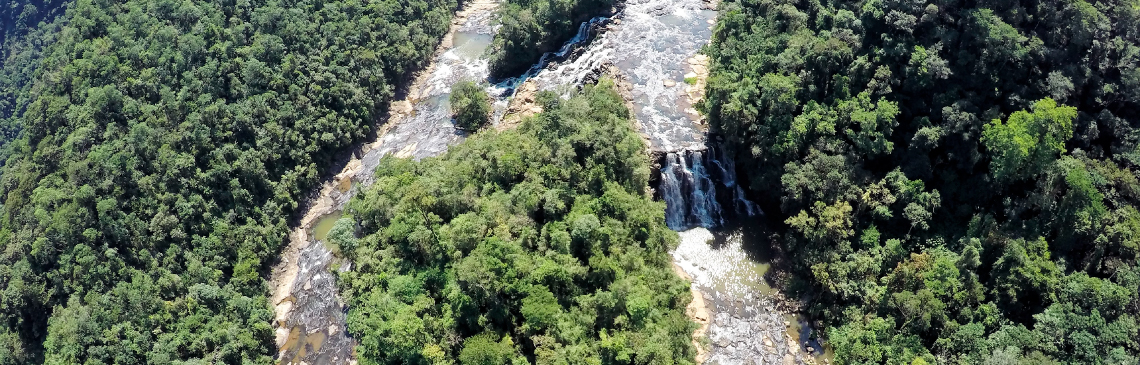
[652, 46]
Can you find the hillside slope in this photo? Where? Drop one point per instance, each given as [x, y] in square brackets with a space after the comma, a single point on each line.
[956, 180]
[164, 150]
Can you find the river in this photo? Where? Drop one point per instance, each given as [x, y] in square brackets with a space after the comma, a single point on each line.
[651, 46]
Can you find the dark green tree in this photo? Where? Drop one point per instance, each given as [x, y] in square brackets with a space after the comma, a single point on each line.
[470, 105]
[949, 172]
[164, 145]
[537, 244]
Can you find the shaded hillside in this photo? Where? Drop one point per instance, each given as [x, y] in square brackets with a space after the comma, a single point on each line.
[164, 149]
[957, 179]
[27, 28]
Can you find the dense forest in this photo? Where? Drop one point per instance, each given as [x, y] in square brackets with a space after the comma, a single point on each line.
[956, 181]
[534, 245]
[951, 181]
[26, 27]
[530, 28]
[165, 145]
[20, 17]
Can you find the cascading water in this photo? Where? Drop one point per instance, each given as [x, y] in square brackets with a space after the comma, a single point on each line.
[673, 175]
[704, 206]
[690, 190]
[584, 32]
[649, 43]
[727, 169]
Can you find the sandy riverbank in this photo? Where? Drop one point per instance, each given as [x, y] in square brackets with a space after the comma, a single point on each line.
[333, 194]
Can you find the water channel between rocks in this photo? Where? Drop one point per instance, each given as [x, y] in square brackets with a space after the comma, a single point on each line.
[651, 45]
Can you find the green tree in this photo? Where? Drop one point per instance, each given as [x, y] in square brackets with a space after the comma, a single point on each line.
[470, 105]
[539, 243]
[483, 349]
[529, 28]
[162, 147]
[1027, 143]
[922, 232]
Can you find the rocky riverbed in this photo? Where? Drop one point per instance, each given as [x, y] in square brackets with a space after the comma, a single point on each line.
[744, 321]
[651, 48]
[310, 316]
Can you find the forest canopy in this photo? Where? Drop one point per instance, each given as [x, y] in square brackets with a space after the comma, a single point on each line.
[164, 148]
[26, 27]
[538, 244]
[470, 105]
[956, 181]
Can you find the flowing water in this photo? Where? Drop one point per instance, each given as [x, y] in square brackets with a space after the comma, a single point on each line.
[310, 317]
[693, 185]
[651, 44]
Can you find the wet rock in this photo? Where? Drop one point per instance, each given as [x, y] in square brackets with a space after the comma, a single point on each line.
[670, 83]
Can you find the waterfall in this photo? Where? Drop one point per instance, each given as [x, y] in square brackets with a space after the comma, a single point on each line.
[689, 189]
[582, 36]
[704, 208]
[671, 191]
[741, 205]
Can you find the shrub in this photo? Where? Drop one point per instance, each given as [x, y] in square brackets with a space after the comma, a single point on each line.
[470, 105]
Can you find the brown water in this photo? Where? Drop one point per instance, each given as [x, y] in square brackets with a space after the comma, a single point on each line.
[321, 229]
[471, 45]
[344, 185]
[301, 345]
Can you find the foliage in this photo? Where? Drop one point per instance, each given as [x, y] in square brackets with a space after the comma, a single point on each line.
[535, 245]
[470, 105]
[26, 27]
[530, 28]
[957, 179]
[165, 144]
[1029, 142]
